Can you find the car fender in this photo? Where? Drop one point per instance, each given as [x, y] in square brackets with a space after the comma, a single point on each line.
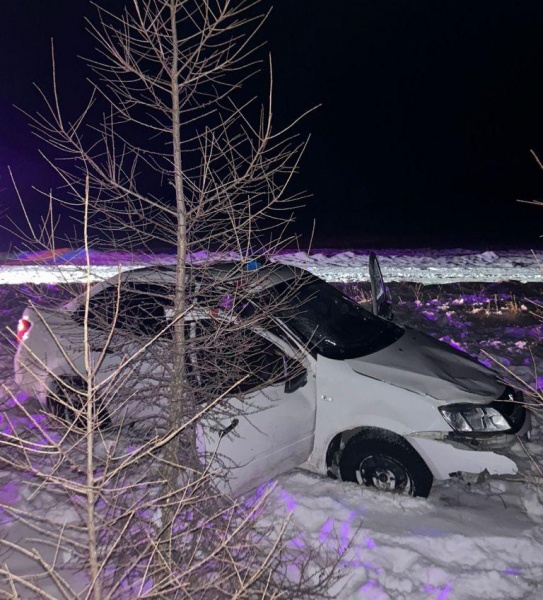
[348, 401]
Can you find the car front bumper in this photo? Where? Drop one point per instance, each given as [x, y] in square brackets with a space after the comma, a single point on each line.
[447, 459]
[457, 455]
[450, 457]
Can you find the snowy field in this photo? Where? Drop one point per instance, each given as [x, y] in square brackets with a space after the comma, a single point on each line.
[466, 541]
[425, 266]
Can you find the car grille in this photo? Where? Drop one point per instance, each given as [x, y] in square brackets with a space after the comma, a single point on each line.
[511, 405]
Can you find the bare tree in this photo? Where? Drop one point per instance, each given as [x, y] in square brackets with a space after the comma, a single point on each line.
[104, 463]
[179, 158]
[176, 159]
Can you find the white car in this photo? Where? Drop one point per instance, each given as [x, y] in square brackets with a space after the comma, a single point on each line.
[357, 397]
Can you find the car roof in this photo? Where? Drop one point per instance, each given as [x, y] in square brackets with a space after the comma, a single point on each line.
[258, 273]
[265, 274]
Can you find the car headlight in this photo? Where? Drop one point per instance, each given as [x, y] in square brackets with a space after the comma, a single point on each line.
[470, 418]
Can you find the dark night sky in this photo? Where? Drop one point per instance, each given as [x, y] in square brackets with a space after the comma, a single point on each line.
[429, 112]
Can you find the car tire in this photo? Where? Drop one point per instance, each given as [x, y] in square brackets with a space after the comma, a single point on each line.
[69, 398]
[385, 461]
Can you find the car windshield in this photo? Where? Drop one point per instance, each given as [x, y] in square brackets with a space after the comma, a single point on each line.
[332, 324]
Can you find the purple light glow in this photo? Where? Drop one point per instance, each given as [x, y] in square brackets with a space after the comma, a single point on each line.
[443, 592]
[512, 572]
[429, 315]
[289, 501]
[36, 421]
[373, 591]
[452, 343]
[257, 495]
[368, 586]
[326, 530]
[5, 426]
[226, 302]
[345, 537]
[298, 542]
[20, 399]
[358, 561]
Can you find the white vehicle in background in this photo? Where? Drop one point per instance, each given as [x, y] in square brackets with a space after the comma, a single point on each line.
[358, 397]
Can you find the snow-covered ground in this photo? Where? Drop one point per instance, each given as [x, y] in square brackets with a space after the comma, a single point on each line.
[466, 541]
[420, 266]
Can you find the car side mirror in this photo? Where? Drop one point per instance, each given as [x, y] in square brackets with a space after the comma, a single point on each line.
[380, 296]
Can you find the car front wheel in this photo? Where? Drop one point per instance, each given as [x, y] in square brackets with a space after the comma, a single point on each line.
[385, 462]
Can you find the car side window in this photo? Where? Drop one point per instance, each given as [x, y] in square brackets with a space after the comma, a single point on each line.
[102, 308]
[236, 363]
[140, 309]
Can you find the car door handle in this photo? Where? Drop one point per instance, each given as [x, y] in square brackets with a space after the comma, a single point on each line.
[230, 427]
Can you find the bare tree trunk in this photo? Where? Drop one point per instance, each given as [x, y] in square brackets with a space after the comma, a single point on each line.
[91, 429]
[180, 404]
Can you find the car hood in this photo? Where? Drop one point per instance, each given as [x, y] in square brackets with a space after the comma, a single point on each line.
[422, 364]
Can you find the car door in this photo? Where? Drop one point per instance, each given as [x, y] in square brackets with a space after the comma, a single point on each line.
[252, 436]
